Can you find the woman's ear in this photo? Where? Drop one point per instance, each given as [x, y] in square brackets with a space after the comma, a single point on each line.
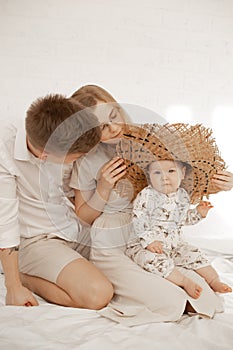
[183, 170]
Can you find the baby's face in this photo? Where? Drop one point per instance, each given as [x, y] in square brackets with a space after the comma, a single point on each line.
[166, 175]
[111, 121]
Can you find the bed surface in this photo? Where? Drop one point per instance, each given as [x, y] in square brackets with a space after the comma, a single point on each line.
[53, 327]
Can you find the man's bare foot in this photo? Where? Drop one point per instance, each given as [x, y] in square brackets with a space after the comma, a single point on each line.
[193, 289]
[220, 287]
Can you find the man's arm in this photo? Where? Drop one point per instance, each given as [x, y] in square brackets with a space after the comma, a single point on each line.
[9, 234]
[16, 293]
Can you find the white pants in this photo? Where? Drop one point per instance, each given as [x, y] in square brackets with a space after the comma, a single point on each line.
[140, 296]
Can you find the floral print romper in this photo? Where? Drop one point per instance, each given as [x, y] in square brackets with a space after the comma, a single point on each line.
[158, 216]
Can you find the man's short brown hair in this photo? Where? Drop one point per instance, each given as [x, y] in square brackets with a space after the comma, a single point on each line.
[61, 125]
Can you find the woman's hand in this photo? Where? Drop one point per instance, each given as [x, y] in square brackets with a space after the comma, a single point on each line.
[110, 173]
[223, 180]
[89, 205]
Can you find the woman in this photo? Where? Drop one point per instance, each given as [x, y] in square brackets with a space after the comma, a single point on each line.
[140, 297]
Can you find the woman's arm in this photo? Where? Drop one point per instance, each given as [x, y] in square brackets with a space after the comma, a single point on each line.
[224, 180]
[90, 204]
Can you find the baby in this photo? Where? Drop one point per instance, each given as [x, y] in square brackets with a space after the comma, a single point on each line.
[160, 210]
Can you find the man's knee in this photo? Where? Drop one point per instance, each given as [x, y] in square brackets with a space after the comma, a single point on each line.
[99, 295]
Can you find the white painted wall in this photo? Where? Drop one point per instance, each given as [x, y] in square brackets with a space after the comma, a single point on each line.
[171, 56]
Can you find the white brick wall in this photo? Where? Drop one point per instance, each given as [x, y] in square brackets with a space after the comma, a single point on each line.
[161, 54]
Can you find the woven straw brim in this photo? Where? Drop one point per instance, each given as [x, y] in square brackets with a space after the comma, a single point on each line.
[193, 145]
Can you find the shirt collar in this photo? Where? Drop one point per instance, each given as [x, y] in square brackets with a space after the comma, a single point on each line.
[21, 151]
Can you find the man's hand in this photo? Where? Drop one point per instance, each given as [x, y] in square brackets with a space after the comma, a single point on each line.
[20, 296]
[16, 294]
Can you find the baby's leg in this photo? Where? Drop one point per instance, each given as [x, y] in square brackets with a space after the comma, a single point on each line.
[191, 287]
[212, 278]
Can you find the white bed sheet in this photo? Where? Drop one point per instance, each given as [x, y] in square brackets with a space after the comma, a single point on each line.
[53, 327]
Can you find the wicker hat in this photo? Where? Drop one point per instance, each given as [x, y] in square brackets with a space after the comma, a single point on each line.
[191, 144]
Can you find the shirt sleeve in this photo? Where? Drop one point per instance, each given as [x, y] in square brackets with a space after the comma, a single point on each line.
[82, 177]
[66, 176]
[142, 219]
[74, 176]
[193, 217]
[9, 228]
[191, 214]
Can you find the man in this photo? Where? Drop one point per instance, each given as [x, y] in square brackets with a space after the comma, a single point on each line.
[35, 212]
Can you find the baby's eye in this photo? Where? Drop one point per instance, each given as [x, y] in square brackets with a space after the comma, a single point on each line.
[172, 171]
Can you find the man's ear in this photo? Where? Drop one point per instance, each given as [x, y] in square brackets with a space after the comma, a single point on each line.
[43, 155]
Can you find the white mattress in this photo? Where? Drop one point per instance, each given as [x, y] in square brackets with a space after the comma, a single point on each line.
[53, 327]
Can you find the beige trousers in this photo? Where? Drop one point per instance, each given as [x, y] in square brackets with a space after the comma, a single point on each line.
[141, 296]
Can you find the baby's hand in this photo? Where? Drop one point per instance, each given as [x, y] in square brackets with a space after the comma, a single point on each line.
[203, 208]
[155, 247]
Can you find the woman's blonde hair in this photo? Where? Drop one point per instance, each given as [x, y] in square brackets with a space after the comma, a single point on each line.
[90, 95]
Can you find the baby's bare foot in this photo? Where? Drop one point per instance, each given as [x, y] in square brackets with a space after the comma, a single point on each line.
[193, 289]
[220, 287]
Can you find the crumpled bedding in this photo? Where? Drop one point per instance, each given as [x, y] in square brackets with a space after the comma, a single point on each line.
[50, 326]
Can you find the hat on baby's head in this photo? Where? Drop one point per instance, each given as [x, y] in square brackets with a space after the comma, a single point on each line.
[191, 144]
